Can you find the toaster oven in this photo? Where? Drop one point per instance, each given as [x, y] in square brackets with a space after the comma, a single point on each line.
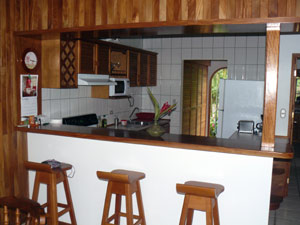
[246, 126]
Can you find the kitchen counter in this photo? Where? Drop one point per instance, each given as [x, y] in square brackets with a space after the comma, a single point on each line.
[166, 161]
[237, 145]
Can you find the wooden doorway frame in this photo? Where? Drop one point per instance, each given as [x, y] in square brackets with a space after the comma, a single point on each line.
[292, 95]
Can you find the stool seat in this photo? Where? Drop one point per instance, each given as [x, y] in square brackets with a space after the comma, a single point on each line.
[122, 183]
[200, 189]
[200, 196]
[51, 177]
[124, 176]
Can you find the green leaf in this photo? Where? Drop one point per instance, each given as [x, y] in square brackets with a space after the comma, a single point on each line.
[155, 103]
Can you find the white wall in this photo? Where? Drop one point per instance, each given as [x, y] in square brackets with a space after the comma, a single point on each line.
[289, 44]
[247, 179]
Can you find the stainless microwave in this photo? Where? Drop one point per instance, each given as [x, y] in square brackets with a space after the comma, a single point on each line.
[121, 88]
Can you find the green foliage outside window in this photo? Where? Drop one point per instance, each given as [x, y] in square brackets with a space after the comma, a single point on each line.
[214, 100]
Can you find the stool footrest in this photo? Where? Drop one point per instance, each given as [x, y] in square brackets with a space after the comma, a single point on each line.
[64, 211]
[45, 205]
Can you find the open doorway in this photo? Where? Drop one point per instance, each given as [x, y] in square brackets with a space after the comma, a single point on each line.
[214, 101]
[294, 115]
[196, 94]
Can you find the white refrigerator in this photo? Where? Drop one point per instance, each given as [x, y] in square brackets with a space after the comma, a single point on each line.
[238, 100]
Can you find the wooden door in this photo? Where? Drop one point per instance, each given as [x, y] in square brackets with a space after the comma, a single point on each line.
[194, 105]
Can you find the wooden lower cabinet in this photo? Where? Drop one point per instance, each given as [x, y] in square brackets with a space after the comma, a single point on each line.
[280, 181]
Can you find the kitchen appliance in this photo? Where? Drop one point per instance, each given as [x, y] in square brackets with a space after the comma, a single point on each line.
[238, 100]
[89, 120]
[246, 126]
[121, 88]
[94, 79]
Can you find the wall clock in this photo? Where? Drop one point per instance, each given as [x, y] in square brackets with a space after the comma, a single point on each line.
[30, 60]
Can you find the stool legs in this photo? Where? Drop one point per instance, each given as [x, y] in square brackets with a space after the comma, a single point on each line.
[140, 203]
[129, 210]
[208, 205]
[118, 209]
[69, 199]
[107, 203]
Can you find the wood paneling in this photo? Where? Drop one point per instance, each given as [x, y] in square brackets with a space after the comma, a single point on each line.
[13, 145]
[271, 80]
[56, 14]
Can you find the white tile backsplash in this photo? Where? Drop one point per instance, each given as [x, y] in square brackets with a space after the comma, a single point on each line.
[240, 41]
[55, 111]
[218, 42]
[46, 93]
[156, 43]
[176, 56]
[207, 53]
[208, 42]
[252, 41]
[251, 57]
[186, 43]
[65, 107]
[197, 42]
[55, 93]
[176, 43]
[166, 72]
[166, 56]
[218, 53]
[229, 42]
[166, 43]
[240, 56]
[64, 93]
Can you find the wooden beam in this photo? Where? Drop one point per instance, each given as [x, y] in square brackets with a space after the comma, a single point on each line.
[271, 81]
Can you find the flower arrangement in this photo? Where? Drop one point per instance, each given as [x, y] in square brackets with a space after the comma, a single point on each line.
[163, 111]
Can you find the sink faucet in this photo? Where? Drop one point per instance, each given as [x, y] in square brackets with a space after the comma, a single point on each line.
[136, 108]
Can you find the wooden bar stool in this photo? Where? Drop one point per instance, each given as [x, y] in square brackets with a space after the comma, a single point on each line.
[200, 196]
[123, 182]
[51, 177]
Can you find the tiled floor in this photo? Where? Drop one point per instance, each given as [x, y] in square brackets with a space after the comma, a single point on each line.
[289, 211]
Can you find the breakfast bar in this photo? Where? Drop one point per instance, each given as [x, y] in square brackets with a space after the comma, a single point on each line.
[241, 167]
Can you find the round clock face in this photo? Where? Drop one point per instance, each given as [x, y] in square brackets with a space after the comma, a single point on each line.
[30, 60]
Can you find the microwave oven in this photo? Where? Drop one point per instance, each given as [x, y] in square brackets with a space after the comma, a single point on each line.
[121, 87]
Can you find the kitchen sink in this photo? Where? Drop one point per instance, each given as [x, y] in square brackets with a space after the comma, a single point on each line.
[134, 125]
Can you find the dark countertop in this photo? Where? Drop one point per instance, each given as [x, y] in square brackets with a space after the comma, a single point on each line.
[238, 145]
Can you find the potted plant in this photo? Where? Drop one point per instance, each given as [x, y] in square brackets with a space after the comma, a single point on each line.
[156, 130]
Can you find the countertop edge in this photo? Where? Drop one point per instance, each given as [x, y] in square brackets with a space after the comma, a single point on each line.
[188, 146]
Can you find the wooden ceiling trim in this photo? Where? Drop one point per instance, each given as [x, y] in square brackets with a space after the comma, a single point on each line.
[56, 14]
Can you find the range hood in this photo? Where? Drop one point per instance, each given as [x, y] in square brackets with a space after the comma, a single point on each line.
[94, 79]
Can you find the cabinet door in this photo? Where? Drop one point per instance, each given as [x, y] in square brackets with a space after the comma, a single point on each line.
[86, 57]
[103, 59]
[133, 68]
[118, 63]
[68, 72]
[152, 70]
[144, 69]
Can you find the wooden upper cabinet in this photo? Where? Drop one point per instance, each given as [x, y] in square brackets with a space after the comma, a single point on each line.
[87, 57]
[152, 70]
[144, 65]
[103, 59]
[142, 69]
[133, 68]
[118, 63]
[59, 61]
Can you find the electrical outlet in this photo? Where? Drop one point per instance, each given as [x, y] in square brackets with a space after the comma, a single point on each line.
[111, 112]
